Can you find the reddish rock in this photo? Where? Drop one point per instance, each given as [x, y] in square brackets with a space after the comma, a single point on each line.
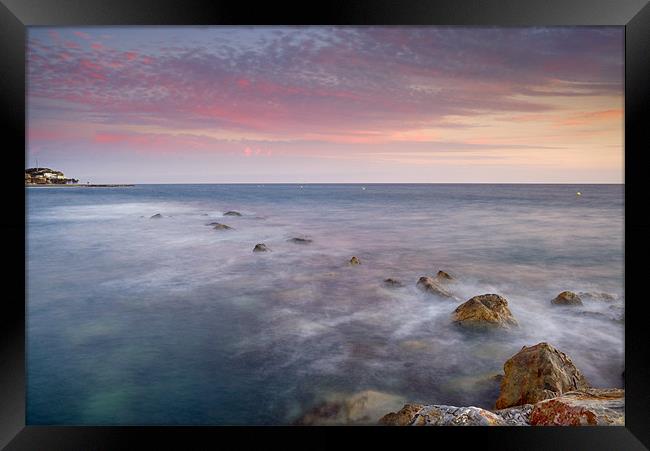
[589, 407]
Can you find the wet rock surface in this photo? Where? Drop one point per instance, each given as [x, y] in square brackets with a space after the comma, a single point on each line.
[433, 286]
[392, 283]
[300, 240]
[485, 311]
[516, 416]
[441, 415]
[403, 417]
[218, 226]
[443, 276]
[261, 247]
[232, 213]
[567, 298]
[590, 296]
[537, 373]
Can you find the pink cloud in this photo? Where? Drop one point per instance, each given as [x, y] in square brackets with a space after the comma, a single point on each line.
[592, 117]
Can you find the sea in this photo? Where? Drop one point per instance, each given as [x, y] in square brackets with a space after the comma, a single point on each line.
[140, 321]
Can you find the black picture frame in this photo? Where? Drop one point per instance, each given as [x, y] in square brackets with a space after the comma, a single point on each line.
[16, 15]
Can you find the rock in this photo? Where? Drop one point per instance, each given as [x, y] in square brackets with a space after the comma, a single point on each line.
[232, 213]
[355, 261]
[516, 416]
[365, 407]
[593, 296]
[415, 345]
[443, 276]
[300, 240]
[589, 407]
[440, 415]
[537, 373]
[156, 216]
[218, 226]
[393, 283]
[261, 247]
[567, 298]
[617, 317]
[403, 417]
[433, 286]
[485, 311]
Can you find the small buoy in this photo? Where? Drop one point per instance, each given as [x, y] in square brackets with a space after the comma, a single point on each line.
[578, 193]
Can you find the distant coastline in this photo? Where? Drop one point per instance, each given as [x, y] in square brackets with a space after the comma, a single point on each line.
[46, 177]
[77, 185]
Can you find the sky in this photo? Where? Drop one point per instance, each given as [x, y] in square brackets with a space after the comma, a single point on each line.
[327, 104]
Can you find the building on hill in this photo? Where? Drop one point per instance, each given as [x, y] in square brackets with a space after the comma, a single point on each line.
[46, 176]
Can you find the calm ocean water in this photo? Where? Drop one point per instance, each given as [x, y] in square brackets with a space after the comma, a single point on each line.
[138, 321]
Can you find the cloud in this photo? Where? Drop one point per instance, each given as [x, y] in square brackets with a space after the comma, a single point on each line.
[345, 78]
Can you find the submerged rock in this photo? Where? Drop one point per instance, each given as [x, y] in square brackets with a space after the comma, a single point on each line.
[415, 345]
[156, 216]
[593, 296]
[589, 407]
[365, 407]
[355, 261]
[300, 240]
[485, 311]
[567, 298]
[537, 373]
[393, 283]
[440, 415]
[218, 226]
[232, 213]
[433, 286]
[443, 276]
[261, 247]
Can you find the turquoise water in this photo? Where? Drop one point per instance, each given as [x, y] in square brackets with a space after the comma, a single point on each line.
[138, 321]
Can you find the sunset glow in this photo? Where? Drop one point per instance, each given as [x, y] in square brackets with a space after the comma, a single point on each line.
[327, 104]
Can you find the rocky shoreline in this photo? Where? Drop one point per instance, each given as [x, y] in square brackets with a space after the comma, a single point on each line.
[540, 386]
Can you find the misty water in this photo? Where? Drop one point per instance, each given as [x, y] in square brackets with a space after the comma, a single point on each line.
[132, 320]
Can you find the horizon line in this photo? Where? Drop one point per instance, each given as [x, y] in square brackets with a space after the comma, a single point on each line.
[362, 183]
